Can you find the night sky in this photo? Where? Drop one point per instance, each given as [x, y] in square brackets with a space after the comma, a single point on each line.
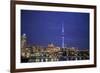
[45, 27]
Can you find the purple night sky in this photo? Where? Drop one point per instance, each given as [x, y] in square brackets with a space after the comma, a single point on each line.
[44, 27]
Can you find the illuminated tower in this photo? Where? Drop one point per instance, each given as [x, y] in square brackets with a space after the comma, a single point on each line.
[63, 44]
[23, 41]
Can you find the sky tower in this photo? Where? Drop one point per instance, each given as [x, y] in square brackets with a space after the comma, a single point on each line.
[63, 44]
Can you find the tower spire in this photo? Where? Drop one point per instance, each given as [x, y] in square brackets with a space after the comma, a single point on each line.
[63, 44]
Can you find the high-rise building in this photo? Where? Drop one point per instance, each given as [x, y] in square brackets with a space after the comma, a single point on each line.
[23, 41]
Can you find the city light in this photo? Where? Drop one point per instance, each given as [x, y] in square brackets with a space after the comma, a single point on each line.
[36, 53]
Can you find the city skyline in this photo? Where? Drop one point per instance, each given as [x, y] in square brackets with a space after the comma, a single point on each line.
[44, 27]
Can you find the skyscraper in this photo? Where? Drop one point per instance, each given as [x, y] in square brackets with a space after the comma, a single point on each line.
[23, 41]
